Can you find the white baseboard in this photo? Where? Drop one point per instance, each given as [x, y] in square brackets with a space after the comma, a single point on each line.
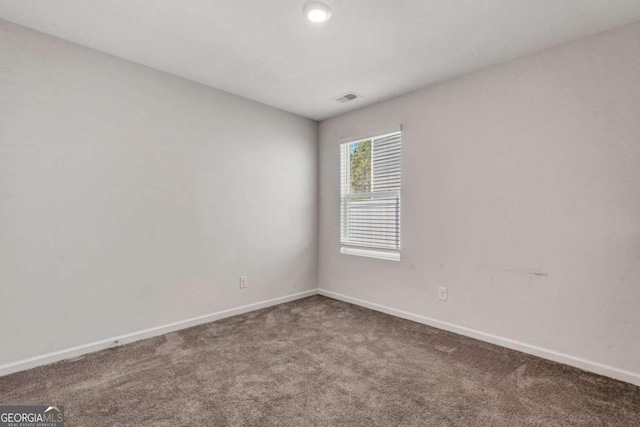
[56, 356]
[544, 353]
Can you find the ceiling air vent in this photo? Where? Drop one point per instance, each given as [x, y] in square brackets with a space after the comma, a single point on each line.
[346, 97]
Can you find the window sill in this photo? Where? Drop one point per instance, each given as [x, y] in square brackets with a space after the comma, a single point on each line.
[370, 253]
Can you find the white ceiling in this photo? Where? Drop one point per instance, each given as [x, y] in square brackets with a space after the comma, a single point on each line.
[266, 51]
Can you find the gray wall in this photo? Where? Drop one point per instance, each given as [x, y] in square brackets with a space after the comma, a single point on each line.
[521, 194]
[130, 198]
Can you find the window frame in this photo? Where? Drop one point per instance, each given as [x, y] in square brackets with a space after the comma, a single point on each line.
[364, 250]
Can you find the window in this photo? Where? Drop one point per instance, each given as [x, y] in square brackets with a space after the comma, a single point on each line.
[370, 196]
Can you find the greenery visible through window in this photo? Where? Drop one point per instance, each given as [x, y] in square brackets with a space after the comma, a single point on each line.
[360, 166]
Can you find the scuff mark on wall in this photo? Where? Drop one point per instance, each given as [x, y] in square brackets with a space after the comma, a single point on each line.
[523, 270]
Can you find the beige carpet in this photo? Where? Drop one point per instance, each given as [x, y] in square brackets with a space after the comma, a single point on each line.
[321, 362]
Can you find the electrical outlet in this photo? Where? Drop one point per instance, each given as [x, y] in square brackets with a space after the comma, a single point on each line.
[442, 293]
[244, 281]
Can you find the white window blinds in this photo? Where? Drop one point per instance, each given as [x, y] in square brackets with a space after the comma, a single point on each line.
[370, 171]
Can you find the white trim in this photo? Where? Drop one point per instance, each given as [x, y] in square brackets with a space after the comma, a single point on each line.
[369, 135]
[578, 362]
[370, 253]
[56, 356]
[587, 365]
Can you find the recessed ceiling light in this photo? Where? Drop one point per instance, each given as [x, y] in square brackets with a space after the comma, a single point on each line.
[317, 12]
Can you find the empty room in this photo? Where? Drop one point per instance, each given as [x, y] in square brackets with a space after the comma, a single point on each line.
[293, 213]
